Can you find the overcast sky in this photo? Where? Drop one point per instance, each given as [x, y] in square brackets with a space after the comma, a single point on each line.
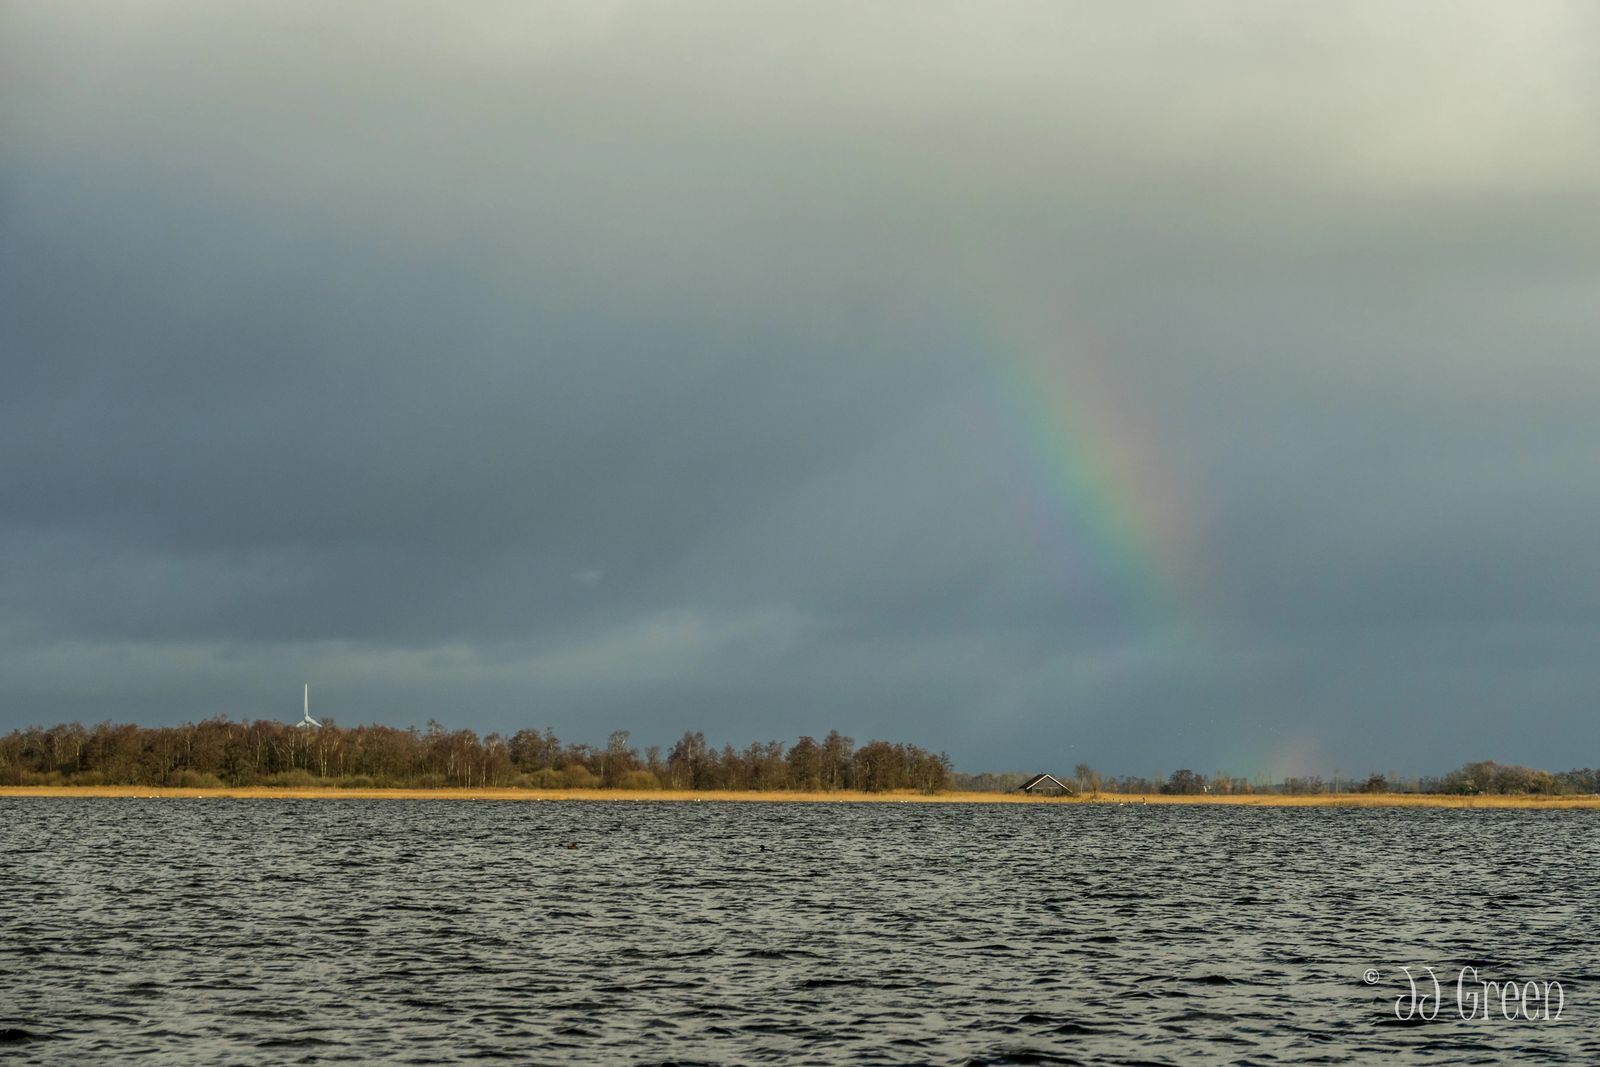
[1149, 385]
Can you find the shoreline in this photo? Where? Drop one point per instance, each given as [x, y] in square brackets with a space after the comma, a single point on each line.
[1335, 800]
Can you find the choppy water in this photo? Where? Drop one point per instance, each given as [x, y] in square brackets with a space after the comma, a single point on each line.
[217, 931]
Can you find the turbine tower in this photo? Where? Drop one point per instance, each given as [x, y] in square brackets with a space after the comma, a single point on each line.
[307, 720]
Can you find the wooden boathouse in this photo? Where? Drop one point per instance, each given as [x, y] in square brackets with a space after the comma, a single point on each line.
[1047, 785]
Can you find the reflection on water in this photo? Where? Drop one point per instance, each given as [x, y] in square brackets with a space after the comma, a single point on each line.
[247, 931]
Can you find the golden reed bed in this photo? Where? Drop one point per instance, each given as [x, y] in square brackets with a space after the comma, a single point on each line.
[1337, 800]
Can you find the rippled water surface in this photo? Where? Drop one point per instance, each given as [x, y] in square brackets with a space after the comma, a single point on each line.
[318, 931]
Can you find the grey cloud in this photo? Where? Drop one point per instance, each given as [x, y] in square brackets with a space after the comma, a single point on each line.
[340, 343]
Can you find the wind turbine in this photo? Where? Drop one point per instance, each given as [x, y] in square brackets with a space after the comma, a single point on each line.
[308, 720]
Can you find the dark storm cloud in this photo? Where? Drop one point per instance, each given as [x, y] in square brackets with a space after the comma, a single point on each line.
[599, 366]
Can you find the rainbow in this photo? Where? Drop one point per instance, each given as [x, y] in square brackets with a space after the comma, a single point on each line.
[1093, 476]
[1089, 476]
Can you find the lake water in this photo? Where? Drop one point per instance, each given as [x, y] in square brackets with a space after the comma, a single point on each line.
[269, 932]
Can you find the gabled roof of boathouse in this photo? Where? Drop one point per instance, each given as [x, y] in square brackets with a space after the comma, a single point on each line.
[1040, 779]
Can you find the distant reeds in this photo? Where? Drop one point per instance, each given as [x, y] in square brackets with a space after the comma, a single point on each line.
[346, 789]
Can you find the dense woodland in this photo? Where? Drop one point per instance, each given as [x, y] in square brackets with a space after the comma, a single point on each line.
[220, 752]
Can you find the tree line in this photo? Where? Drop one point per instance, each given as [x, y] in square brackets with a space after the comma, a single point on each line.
[1482, 778]
[219, 752]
